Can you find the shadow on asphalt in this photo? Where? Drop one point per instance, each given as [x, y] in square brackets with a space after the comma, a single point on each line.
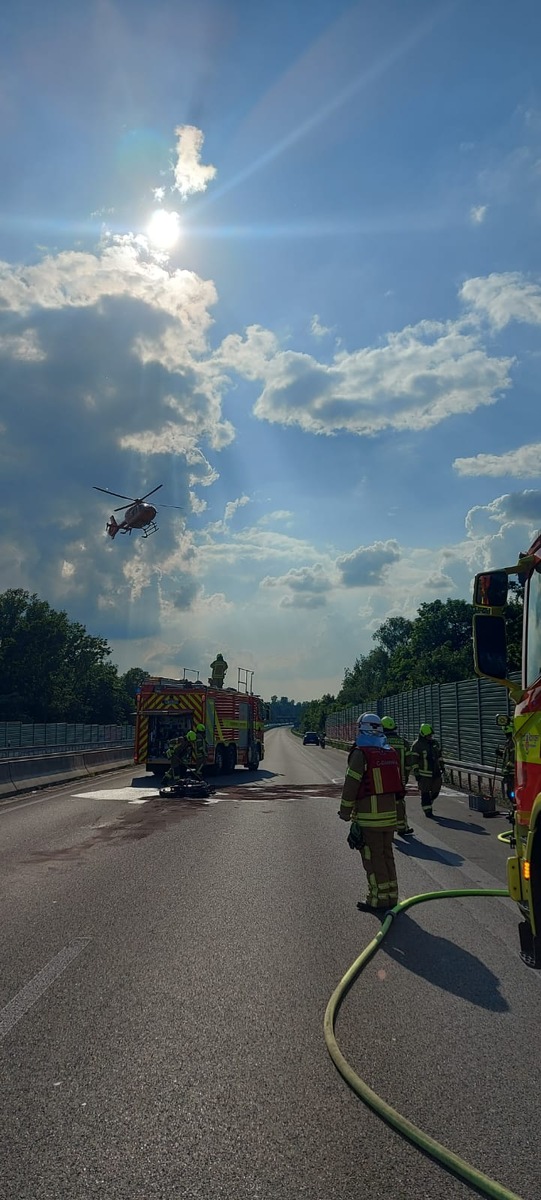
[232, 779]
[451, 823]
[417, 849]
[444, 964]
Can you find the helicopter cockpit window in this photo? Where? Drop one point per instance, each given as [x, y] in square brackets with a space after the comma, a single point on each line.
[533, 637]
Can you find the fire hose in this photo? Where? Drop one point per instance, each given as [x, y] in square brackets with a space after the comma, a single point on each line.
[446, 1158]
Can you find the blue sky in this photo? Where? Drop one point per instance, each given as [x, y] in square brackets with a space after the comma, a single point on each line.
[326, 345]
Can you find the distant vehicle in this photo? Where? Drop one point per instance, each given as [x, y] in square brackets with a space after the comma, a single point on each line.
[138, 514]
[310, 739]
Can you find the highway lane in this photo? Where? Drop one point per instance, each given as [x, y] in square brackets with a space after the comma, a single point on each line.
[179, 1051]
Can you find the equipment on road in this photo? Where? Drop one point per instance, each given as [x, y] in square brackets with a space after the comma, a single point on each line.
[138, 514]
[190, 787]
[490, 661]
[227, 723]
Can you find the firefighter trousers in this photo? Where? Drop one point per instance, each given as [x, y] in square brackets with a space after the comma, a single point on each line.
[401, 814]
[430, 788]
[378, 862]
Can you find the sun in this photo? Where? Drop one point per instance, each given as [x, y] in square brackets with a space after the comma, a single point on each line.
[163, 229]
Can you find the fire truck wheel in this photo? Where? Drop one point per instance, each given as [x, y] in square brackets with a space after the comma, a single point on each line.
[253, 759]
[220, 761]
[231, 758]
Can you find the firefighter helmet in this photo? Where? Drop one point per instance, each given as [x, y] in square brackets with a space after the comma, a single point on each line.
[370, 724]
[388, 722]
[190, 736]
[426, 730]
[200, 728]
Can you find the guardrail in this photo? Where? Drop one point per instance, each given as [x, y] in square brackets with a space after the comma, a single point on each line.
[28, 774]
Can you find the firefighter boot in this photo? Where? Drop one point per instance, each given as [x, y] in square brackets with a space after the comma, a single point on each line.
[426, 804]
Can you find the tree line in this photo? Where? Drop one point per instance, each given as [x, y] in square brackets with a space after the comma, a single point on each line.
[433, 647]
[52, 669]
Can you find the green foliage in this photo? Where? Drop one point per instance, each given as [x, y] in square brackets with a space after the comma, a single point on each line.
[52, 669]
[284, 711]
[315, 713]
[435, 647]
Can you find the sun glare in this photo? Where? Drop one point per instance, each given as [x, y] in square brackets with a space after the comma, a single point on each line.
[163, 229]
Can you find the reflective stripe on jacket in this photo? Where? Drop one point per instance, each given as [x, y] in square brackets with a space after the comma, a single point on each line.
[370, 787]
[403, 749]
[426, 757]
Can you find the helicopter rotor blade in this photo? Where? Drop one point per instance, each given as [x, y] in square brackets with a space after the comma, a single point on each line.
[177, 506]
[109, 493]
[122, 508]
[156, 489]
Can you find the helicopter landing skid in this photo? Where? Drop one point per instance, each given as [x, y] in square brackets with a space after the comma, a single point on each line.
[151, 528]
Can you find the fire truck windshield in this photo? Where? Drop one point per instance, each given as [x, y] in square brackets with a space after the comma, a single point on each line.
[533, 639]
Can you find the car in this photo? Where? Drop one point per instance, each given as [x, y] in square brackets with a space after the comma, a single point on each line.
[310, 739]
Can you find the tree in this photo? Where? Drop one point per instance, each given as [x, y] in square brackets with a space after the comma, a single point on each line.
[133, 679]
[52, 669]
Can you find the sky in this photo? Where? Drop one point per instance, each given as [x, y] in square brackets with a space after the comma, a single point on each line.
[285, 261]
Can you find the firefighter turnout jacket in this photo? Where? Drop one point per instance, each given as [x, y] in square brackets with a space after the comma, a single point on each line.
[370, 788]
[426, 759]
[403, 749]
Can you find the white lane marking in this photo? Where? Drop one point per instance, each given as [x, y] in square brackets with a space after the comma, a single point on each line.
[31, 992]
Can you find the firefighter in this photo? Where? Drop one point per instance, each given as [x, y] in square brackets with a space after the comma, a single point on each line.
[369, 801]
[507, 755]
[428, 767]
[403, 749]
[218, 668]
[200, 749]
[179, 754]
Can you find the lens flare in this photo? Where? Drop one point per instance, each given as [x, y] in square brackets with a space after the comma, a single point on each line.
[163, 229]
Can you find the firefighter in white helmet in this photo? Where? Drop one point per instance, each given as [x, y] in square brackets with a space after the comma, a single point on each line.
[369, 794]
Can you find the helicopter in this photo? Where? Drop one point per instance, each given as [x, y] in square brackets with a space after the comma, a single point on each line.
[138, 514]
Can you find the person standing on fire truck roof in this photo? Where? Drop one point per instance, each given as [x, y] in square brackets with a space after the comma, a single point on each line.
[428, 767]
[218, 668]
[403, 749]
[371, 786]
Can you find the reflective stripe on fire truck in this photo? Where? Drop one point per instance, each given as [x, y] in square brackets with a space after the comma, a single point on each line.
[142, 744]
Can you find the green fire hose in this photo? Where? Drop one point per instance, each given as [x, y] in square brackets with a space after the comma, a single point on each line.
[446, 1158]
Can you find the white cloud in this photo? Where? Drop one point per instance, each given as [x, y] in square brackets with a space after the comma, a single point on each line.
[502, 298]
[303, 600]
[478, 213]
[24, 347]
[317, 329]
[414, 380]
[525, 461]
[365, 567]
[190, 174]
[301, 579]
[518, 508]
[438, 582]
[232, 507]
[279, 514]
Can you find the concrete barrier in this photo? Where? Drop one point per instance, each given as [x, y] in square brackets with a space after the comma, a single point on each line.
[96, 760]
[7, 786]
[27, 774]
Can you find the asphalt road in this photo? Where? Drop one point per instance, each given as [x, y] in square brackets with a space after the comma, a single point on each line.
[165, 972]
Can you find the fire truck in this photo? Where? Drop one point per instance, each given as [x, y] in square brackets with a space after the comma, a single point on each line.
[490, 657]
[233, 719]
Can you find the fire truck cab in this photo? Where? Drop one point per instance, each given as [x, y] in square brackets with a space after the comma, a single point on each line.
[233, 720]
[490, 658]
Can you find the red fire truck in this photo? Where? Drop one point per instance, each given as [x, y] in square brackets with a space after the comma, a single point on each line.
[233, 719]
[490, 656]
